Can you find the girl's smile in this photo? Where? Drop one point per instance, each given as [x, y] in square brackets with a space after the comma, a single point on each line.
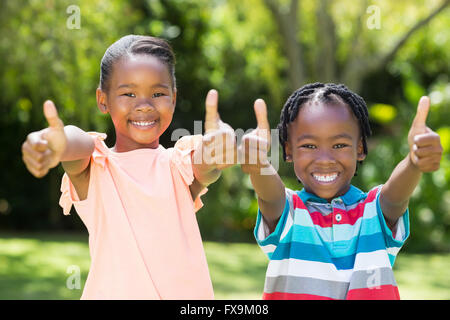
[140, 101]
[324, 143]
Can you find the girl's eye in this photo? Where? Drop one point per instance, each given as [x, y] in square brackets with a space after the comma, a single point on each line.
[131, 95]
[158, 94]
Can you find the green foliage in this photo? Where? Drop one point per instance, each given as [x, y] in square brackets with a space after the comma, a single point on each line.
[235, 47]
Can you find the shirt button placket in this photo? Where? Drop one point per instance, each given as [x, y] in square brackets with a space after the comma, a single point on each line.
[337, 217]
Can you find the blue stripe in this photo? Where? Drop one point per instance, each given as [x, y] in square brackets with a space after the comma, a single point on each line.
[341, 233]
[274, 237]
[311, 252]
[319, 253]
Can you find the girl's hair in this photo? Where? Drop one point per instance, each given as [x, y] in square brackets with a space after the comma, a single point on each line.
[329, 93]
[133, 45]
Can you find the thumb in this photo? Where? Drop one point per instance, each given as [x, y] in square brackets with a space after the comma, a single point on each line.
[422, 113]
[261, 114]
[212, 115]
[51, 114]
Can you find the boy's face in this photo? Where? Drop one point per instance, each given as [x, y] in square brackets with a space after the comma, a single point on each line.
[324, 143]
[140, 100]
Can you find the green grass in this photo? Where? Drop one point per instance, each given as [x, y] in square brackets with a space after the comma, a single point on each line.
[35, 267]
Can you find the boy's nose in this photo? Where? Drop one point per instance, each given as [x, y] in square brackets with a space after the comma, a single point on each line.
[324, 158]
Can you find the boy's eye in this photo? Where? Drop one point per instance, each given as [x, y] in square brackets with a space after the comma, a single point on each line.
[308, 146]
[340, 145]
[158, 94]
[129, 94]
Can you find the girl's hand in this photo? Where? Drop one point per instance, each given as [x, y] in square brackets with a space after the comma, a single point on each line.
[219, 141]
[43, 149]
[425, 147]
[256, 144]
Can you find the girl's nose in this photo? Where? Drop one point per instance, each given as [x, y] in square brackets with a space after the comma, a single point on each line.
[144, 107]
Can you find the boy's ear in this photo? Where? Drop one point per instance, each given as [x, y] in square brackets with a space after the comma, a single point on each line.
[101, 100]
[288, 151]
[361, 155]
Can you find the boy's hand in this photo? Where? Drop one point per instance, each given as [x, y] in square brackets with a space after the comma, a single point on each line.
[425, 147]
[219, 141]
[256, 144]
[43, 149]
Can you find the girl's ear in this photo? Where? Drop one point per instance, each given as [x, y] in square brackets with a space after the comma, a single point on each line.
[101, 100]
[174, 97]
[361, 155]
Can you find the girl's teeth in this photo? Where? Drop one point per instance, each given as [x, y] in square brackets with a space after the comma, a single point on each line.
[143, 123]
[325, 178]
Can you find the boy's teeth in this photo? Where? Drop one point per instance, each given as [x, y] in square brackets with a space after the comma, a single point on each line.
[326, 177]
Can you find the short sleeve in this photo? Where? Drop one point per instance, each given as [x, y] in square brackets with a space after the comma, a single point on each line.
[69, 195]
[267, 241]
[394, 238]
[181, 161]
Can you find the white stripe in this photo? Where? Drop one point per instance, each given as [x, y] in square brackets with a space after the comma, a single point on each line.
[287, 225]
[261, 234]
[393, 250]
[371, 260]
[400, 234]
[327, 271]
[268, 248]
[309, 269]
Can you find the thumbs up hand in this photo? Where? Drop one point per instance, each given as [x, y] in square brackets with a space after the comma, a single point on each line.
[256, 144]
[424, 144]
[219, 141]
[43, 149]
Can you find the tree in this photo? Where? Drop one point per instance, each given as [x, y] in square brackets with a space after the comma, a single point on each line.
[356, 66]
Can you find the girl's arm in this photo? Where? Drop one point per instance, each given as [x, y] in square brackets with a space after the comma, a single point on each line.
[424, 156]
[265, 179]
[46, 148]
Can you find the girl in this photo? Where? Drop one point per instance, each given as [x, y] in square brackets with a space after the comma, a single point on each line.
[331, 240]
[137, 199]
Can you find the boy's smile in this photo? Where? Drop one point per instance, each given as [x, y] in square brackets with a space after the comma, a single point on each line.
[324, 143]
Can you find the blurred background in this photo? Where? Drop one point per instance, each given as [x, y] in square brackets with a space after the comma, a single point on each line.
[389, 52]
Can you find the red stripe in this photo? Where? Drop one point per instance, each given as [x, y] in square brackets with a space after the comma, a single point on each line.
[292, 296]
[347, 217]
[297, 202]
[386, 292]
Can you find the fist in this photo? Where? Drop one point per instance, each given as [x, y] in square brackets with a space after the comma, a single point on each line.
[256, 144]
[42, 150]
[425, 147]
[219, 141]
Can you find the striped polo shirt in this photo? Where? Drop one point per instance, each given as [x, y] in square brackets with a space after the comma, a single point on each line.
[338, 250]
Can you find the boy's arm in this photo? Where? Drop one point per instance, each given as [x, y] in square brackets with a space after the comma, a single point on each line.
[46, 148]
[424, 156]
[271, 196]
[265, 179]
[217, 150]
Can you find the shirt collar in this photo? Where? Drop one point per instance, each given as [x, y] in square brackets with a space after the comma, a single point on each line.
[352, 196]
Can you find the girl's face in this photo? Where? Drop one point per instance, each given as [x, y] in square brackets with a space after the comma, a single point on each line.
[325, 144]
[140, 100]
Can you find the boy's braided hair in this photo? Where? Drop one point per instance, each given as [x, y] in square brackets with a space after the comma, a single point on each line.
[330, 92]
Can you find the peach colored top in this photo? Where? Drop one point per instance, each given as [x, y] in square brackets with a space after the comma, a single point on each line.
[144, 239]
